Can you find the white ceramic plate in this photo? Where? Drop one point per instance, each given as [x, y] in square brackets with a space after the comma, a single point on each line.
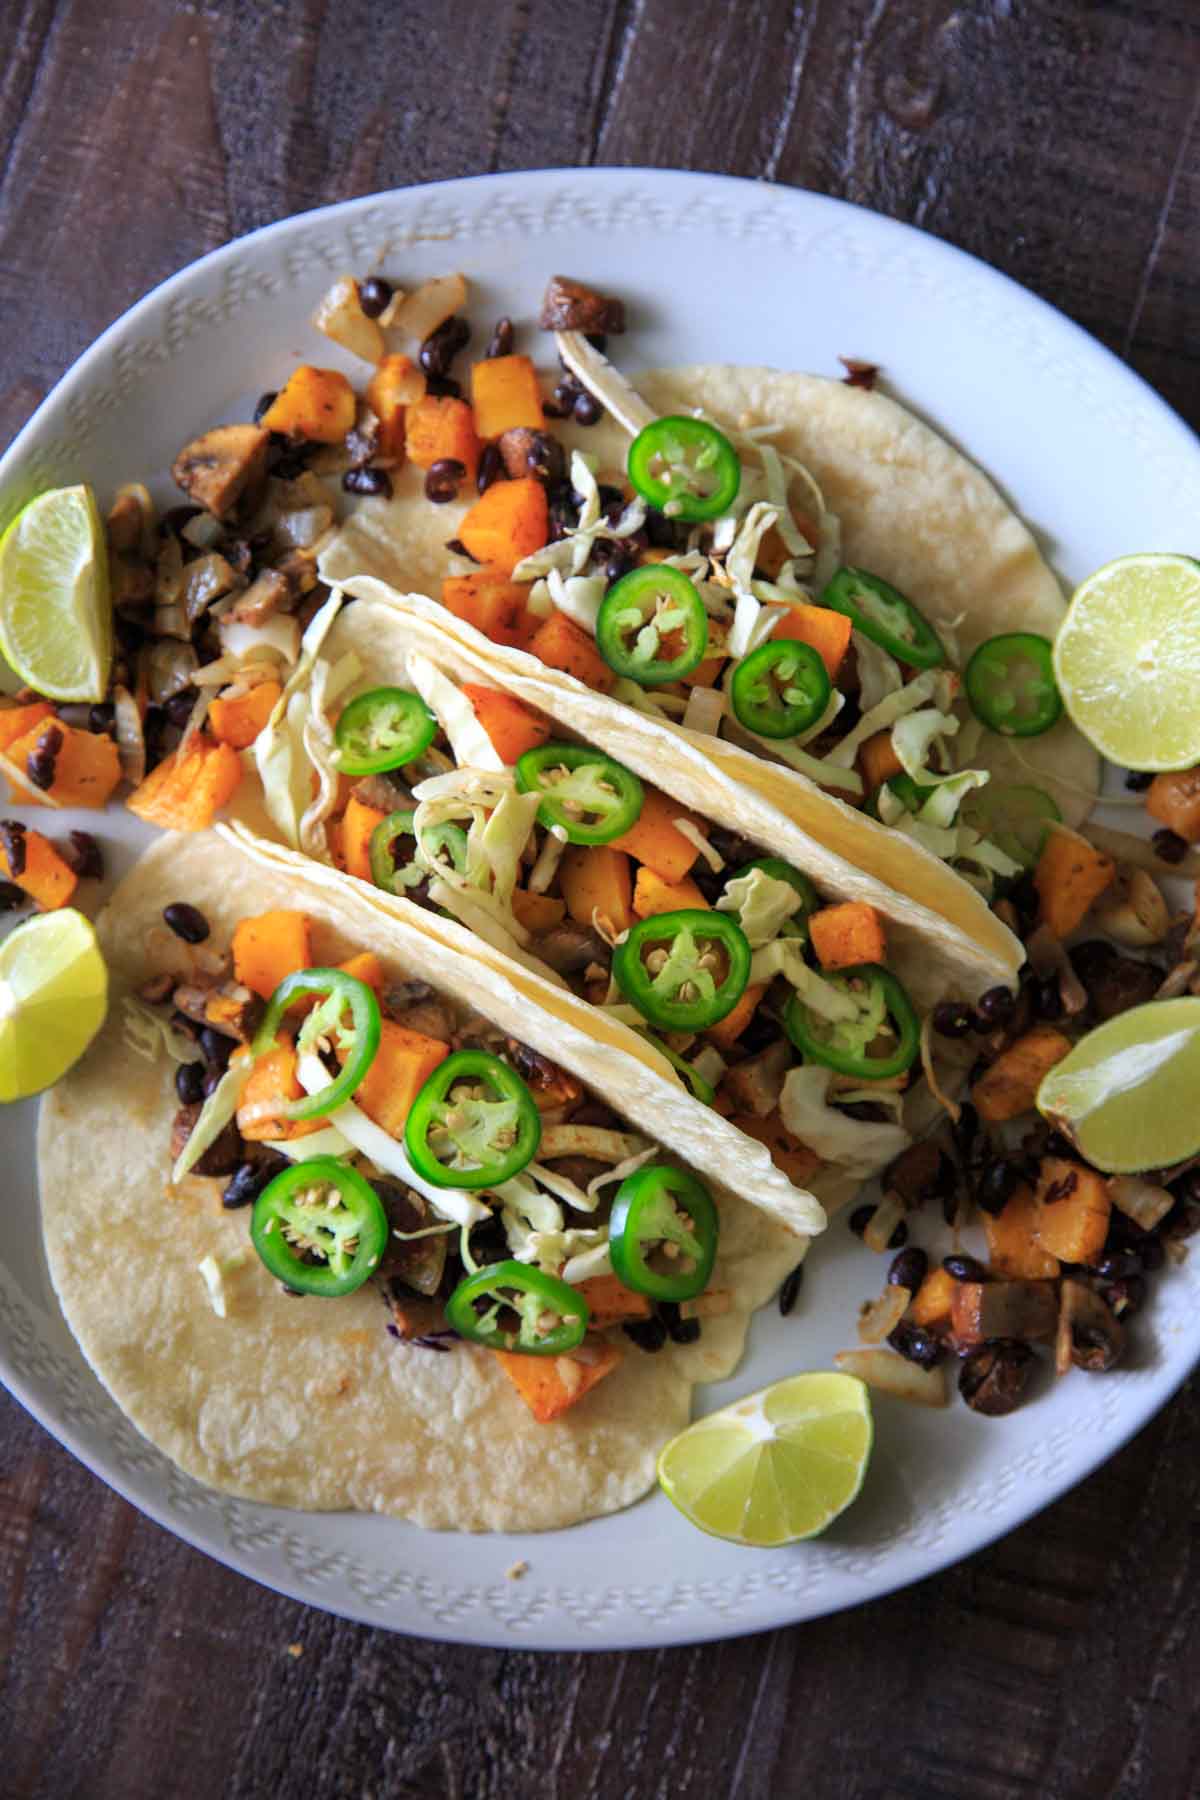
[712, 270]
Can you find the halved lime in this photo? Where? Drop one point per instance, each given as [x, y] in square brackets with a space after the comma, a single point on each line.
[1127, 660]
[53, 998]
[1126, 1094]
[55, 614]
[776, 1466]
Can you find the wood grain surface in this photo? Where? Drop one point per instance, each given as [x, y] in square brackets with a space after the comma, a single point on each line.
[1058, 140]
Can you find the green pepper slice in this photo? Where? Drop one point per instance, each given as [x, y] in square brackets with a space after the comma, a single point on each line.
[1016, 818]
[685, 468]
[386, 872]
[652, 626]
[882, 613]
[780, 689]
[668, 1214]
[383, 729]
[521, 1297]
[700, 1090]
[491, 1126]
[320, 1228]
[669, 967]
[845, 1045]
[591, 797]
[1010, 684]
[911, 794]
[336, 993]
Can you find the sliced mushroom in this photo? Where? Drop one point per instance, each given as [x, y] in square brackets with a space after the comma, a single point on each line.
[1090, 1335]
[218, 467]
[756, 1084]
[983, 1310]
[570, 948]
[994, 1377]
[268, 594]
[1133, 911]
[1113, 982]
[571, 306]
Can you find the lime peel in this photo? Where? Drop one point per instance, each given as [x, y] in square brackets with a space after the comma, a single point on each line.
[1125, 1095]
[56, 628]
[53, 1000]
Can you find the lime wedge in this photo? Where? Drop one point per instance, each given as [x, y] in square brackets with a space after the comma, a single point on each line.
[53, 997]
[1126, 1094]
[1127, 660]
[776, 1466]
[55, 613]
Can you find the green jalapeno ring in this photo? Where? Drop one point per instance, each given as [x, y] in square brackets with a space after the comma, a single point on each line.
[539, 1294]
[351, 1235]
[652, 602]
[616, 811]
[806, 1030]
[1014, 668]
[645, 1216]
[780, 689]
[911, 794]
[700, 1090]
[659, 468]
[883, 614]
[658, 992]
[382, 729]
[432, 1111]
[384, 872]
[330, 986]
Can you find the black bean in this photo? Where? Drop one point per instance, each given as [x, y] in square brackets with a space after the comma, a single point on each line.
[179, 707]
[1153, 1255]
[557, 409]
[442, 479]
[212, 1081]
[375, 295]
[443, 387]
[899, 1237]
[501, 341]
[952, 1019]
[546, 459]
[102, 717]
[997, 1185]
[860, 1218]
[216, 1046]
[1025, 898]
[293, 461]
[1058, 1145]
[1116, 1265]
[619, 562]
[12, 842]
[966, 1129]
[81, 853]
[1047, 997]
[648, 1334]
[460, 549]
[790, 1289]
[247, 1183]
[598, 340]
[368, 481]
[181, 1023]
[39, 764]
[443, 345]
[964, 1268]
[1138, 780]
[680, 1331]
[263, 405]
[491, 468]
[995, 1008]
[587, 410]
[11, 897]
[1169, 845]
[915, 1344]
[186, 921]
[908, 1269]
[189, 1083]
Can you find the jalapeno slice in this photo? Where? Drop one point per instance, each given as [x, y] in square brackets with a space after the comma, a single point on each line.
[668, 1215]
[320, 1228]
[336, 994]
[685, 468]
[513, 1306]
[882, 613]
[780, 689]
[845, 1045]
[652, 626]
[911, 794]
[1010, 684]
[1016, 818]
[386, 872]
[382, 729]
[700, 1090]
[591, 797]
[809, 900]
[477, 1110]
[684, 971]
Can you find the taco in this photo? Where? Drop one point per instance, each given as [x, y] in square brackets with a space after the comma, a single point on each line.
[201, 1168]
[821, 611]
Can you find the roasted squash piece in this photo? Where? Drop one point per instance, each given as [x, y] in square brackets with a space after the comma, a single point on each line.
[537, 912]
[1173, 798]
[273, 1080]
[931, 1304]
[651, 894]
[440, 427]
[403, 1064]
[270, 946]
[396, 385]
[86, 769]
[358, 822]
[488, 600]
[512, 726]
[317, 405]
[505, 395]
[185, 793]
[1009, 1087]
[597, 878]
[562, 644]
[877, 759]
[1014, 1249]
[45, 877]
[728, 1030]
[610, 1302]
[654, 837]
[850, 932]
[1070, 875]
[509, 521]
[1071, 1210]
[17, 721]
[795, 1159]
[237, 722]
[825, 631]
[551, 1385]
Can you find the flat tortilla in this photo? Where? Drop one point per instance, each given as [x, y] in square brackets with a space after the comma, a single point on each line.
[315, 1405]
[912, 509]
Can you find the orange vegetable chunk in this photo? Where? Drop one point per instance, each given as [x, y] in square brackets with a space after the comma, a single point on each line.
[932, 1301]
[1173, 798]
[46, 878]
[273, 1078]
[403, 1064]
[396, 384]
[540, 1381]
[239, 721]
[512, 726]
[537, 912]
[652, 895]
[1009, 1086]
[86, 769]
[1014, 1249]
[561, 644]
[726, 1032]
[826, 631]
[358, 822]
[488, 600]
[270, 946]
[510, 520]
[655, 839]
[185, 793]
[440, 426]
[597, 878]
[365, 966]
[877, 758]
[316, 404]
[15, 721]
[1070, 875]
[505, 394]
[848, 933]
[610, 1302]
[1071, 1210]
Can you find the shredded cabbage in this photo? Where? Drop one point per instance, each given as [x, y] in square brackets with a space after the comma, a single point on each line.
[572, 553]
[579, 596]
[215, 1115]
[149, 1033]
[328, 684]
[591, 367]
[762, 904]
[469, 742]
[892, 707]
[786, 957]
[914, 737]
[860, 1146]
[522, 1195]
[279, 753]
[878, 673]
[328, 1142]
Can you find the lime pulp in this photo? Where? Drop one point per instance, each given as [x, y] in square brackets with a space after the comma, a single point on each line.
[53, 998]
[56, 627]
[1126, 1094]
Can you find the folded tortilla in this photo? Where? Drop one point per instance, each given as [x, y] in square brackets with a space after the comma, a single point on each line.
[310, 1403]
[912, 509]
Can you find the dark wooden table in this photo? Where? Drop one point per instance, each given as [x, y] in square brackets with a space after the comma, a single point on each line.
[1059, 142]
